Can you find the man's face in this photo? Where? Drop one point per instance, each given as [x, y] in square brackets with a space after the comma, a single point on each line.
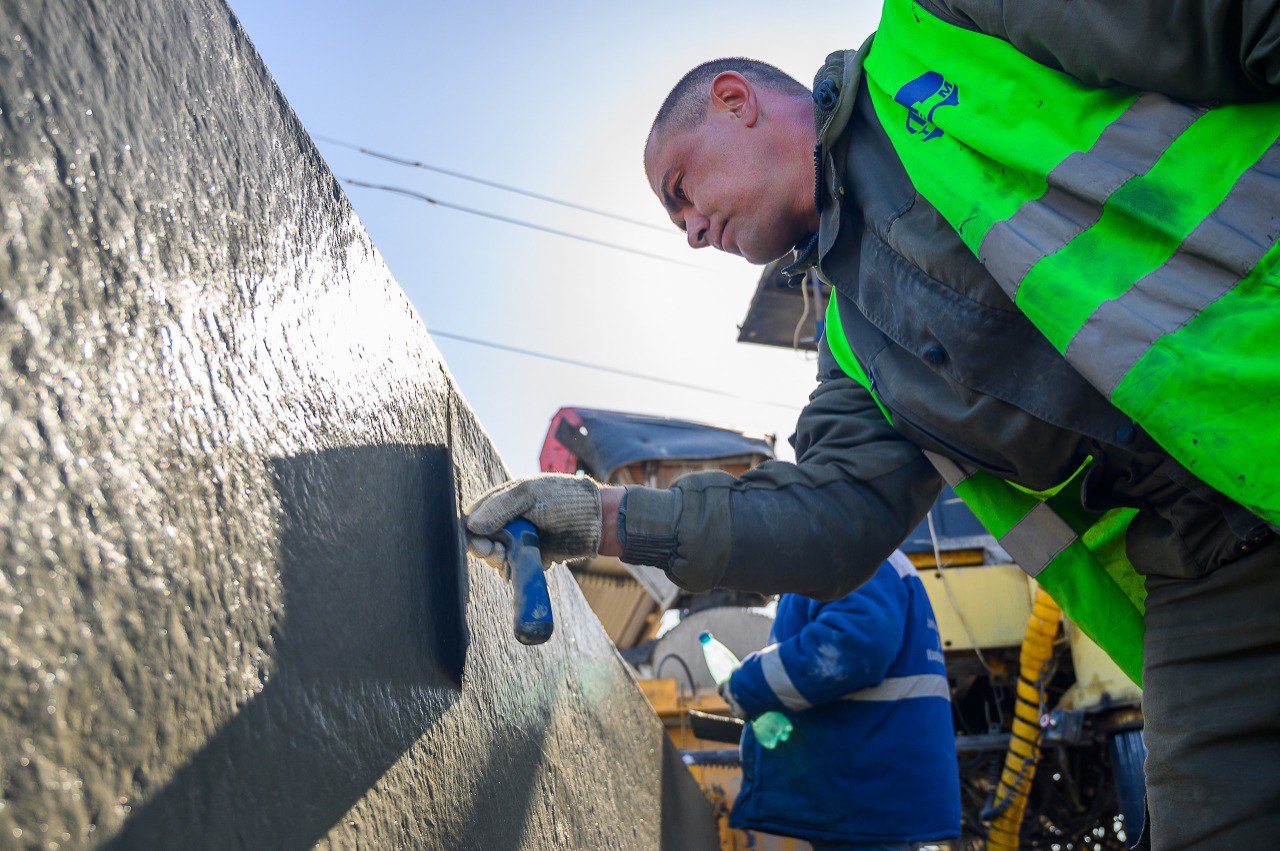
[732, 186]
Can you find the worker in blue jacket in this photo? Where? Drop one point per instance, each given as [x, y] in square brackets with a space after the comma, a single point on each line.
[871, 762]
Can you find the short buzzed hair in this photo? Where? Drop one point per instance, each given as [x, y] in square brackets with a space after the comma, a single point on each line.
[686, 105]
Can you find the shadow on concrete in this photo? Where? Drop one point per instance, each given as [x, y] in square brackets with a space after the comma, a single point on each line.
[368, 655]
[688, 821]
[499, 815]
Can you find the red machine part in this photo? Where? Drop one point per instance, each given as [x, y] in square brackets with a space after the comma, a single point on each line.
[555, 457]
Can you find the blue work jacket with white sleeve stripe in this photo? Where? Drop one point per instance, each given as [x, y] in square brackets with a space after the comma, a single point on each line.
[872, 756]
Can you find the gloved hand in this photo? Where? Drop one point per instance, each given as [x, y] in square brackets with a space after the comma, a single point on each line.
[726, 692]
[566, 510]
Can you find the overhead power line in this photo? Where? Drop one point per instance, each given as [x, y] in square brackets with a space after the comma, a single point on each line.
[493, 183]
[410, 193]
[489, 344]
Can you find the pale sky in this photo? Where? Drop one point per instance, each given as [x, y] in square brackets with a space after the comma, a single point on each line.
[556, 98]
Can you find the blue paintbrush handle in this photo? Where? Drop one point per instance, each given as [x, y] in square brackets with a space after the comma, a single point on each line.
[533, 622]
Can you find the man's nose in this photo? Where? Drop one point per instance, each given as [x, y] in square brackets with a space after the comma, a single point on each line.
[696, 227]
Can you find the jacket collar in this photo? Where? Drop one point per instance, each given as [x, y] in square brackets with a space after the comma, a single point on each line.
[835, 88]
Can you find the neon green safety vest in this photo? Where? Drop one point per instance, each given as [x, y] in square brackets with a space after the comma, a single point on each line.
[1140, 235]
[1079, 561]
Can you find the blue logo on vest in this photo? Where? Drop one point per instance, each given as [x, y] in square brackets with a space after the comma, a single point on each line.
[922, 97]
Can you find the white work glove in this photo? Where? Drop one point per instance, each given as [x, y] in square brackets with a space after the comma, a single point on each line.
[735, 709]
[566, 510]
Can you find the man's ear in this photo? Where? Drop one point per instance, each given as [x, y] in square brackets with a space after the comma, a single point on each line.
[733, 95]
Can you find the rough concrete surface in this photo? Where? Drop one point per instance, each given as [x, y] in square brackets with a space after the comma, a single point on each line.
[231, 610]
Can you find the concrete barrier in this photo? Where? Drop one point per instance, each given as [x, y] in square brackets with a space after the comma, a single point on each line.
[232, 609]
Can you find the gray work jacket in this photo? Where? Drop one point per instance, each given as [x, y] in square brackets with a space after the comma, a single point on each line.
[963, 372]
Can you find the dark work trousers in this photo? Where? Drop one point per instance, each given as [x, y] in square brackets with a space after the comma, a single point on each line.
[1211, 705]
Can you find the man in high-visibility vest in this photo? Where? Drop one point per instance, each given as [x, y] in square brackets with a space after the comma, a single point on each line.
[1051, 232]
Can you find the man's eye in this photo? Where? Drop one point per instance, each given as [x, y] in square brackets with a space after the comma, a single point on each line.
[678, 189]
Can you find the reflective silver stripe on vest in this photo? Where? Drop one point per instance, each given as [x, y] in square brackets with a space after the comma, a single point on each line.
[905, 688]
[1037, 539]
[1080, 185]
[779, 681]
[951, 472]
[1236, 236]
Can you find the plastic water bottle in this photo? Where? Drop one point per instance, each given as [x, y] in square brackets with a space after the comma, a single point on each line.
[771, 728]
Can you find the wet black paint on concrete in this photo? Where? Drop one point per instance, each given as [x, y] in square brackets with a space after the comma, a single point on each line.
[232, 609]
[352, 643]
